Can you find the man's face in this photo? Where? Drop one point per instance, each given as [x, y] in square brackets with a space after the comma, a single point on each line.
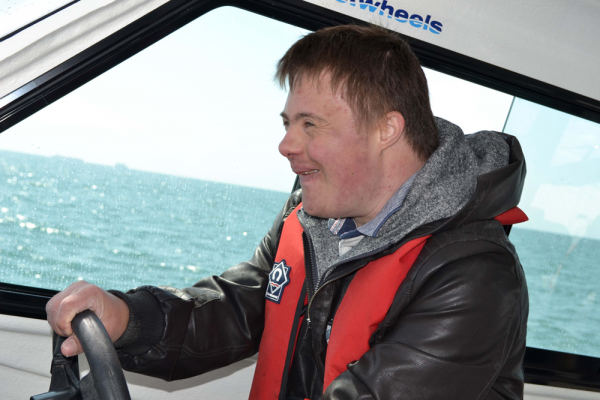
[339, 167]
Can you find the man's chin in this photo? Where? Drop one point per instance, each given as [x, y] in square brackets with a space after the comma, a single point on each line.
[310, 209]
[314, 210]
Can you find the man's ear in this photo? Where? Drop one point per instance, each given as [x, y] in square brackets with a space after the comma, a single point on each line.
[391, 129]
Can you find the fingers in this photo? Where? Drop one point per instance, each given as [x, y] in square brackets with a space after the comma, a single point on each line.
[63, 307]
[54, 305]
[71, 347]
[80, 296]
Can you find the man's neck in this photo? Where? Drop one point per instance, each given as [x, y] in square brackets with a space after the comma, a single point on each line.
[347, 227]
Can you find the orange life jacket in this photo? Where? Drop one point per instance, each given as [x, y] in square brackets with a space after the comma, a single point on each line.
[355, 321]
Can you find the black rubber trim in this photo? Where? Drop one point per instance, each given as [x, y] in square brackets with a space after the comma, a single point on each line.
[105, 367]
[176, 13]
[13, 33]
[24, 301]
[554, 368]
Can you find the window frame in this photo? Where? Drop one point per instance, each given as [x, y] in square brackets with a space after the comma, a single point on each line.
[541, 366]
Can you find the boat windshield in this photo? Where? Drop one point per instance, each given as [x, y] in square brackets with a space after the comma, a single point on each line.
[165, 169]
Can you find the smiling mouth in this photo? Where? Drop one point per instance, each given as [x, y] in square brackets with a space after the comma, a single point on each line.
[310, 172]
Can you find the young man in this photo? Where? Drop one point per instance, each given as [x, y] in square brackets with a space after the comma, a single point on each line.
[388, 276]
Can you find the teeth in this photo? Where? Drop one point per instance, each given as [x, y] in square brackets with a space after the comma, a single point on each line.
[310, 172]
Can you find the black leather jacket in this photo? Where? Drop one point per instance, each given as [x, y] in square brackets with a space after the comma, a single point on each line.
[456, 328]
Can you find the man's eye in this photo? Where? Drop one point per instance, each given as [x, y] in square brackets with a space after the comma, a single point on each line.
[308, 124]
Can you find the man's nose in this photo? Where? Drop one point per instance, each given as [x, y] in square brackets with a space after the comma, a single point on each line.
[291, 144]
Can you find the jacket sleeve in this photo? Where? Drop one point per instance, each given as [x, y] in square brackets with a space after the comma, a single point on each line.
[178, 333]
[461, 335]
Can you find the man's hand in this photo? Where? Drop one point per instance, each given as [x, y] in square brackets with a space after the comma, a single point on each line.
[81, 296]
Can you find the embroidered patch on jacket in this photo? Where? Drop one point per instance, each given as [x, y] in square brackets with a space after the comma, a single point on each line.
[278, 280]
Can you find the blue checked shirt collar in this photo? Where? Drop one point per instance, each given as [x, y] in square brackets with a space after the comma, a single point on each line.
[346, 228]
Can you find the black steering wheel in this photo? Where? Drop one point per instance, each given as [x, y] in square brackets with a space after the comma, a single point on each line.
[105, 380]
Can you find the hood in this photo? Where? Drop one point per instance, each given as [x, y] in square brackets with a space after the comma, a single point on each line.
[468, 178]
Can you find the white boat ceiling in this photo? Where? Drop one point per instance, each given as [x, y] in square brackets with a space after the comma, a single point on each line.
[554, 41]
[52, 41]
[16, 14]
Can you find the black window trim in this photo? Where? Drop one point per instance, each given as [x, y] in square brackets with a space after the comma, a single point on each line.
[541, 366]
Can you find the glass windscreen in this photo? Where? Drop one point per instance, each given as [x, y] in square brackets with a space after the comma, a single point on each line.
[160, 171]
[559, 246]
[165, 169]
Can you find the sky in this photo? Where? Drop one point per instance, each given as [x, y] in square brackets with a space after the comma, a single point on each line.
[202, 103]
[562, 187]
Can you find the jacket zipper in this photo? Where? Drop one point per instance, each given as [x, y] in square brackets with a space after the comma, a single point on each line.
[365, 255]
[311, 260]
[325, 284]
[322, 372]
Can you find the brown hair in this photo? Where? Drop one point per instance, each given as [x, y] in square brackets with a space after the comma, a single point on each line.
[377, 71]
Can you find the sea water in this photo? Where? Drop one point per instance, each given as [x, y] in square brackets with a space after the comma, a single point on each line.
[62, 220]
